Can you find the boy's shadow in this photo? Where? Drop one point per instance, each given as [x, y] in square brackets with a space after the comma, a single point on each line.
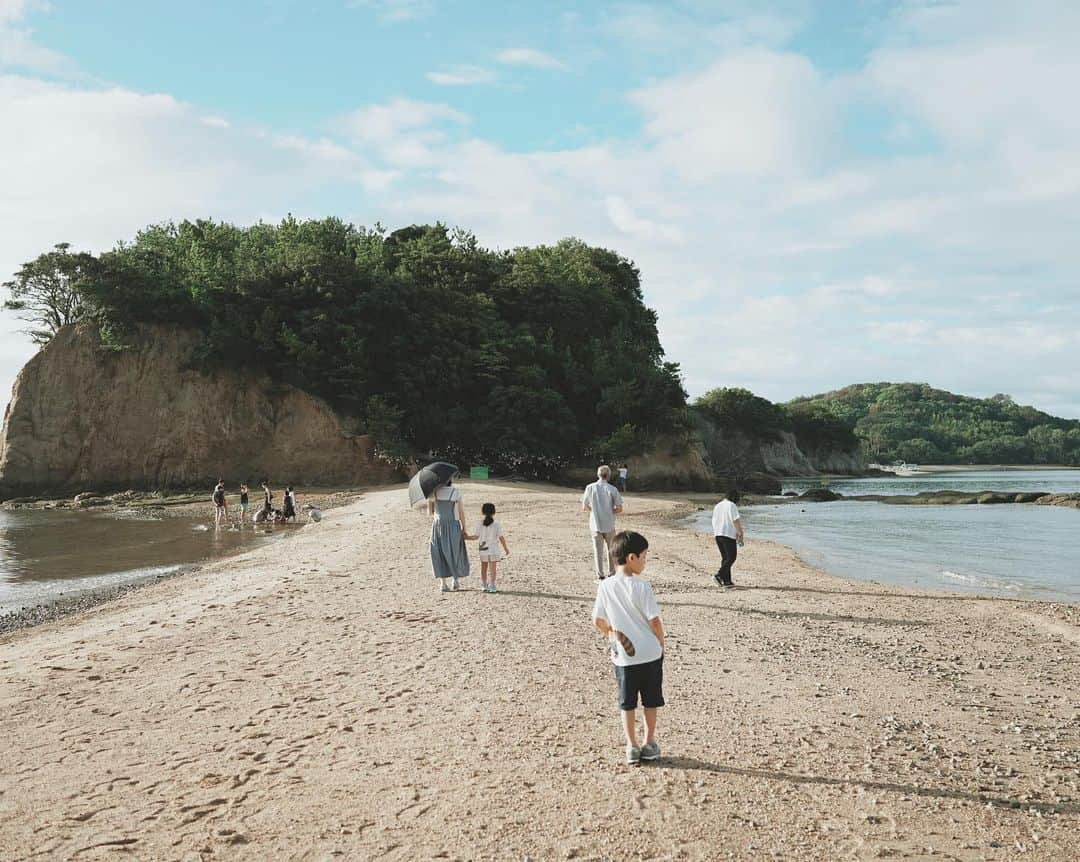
[692, 763]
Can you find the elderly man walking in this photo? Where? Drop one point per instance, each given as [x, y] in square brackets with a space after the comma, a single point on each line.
[603, 502]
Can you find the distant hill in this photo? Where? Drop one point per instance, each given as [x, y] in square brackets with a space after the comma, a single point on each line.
[917, 423]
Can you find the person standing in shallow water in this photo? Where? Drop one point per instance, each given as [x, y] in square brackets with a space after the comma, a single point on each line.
[449, 559]
[221, 505]
[727, 528]
[243, 502]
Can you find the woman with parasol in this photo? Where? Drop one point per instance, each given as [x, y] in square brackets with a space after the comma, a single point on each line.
[449, 559]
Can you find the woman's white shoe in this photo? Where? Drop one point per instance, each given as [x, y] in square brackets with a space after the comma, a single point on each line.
[454, 585]
[443, 586]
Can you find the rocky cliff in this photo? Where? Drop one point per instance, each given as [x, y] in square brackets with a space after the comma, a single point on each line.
[82, 417]
[738, 453]
[785, 457]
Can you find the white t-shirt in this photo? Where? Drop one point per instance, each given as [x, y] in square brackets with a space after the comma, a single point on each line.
[724, 517]
[627, 603]
[602, 498]
[489, 538]
[444, 492]
[623, 472]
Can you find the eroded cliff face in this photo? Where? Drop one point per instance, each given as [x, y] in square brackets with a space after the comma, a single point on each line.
[81, 417]
[785, 458]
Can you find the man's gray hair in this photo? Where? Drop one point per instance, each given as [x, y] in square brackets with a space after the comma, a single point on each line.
[603, 472]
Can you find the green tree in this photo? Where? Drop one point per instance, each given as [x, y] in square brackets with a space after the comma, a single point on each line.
[739, 409]
[45, 292]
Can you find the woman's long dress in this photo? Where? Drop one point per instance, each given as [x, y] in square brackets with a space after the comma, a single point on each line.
[449, 558]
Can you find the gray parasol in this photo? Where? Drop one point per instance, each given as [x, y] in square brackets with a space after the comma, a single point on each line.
[428, 478]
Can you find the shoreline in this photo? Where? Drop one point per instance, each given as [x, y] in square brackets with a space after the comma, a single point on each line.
[686, 507]
[39, 613]
[336, 704]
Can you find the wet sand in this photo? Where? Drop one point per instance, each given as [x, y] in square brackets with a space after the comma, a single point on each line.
[320, 699]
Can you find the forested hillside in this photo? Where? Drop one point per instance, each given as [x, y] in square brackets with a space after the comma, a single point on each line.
[914, 422]
[523, 359]
[529, 359]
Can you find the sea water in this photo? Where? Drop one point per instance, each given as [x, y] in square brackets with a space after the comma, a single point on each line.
[1016, 550]
[50, 555]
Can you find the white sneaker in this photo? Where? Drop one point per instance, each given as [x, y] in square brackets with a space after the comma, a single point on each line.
[454, 586]
[491, 588]
[443, 586]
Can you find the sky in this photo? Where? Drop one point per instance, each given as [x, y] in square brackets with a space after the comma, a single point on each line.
[816, 193]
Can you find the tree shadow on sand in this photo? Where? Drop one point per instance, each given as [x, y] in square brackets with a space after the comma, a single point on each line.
[691, 763]
[774, 614]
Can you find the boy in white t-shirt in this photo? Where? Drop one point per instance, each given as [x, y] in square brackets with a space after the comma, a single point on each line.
[489, 532]
[626, 611]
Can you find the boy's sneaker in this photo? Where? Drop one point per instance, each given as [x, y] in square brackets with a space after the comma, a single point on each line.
[729, 585]
[633, 754]
[443, 586]
[650, 751]
[716, 578]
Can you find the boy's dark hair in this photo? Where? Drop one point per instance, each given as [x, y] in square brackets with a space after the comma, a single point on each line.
[488, 511]
[626, 543]
[733, 495]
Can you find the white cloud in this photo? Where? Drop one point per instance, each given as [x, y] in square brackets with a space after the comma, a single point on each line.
[18, 50]
[395, 11]
[751, 114]
[461, 76]
[701, 28]
[622, 215]
[529, 57]
[403, 132]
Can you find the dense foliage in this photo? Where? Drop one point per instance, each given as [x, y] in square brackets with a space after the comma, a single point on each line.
[522, 359]
[913, 422]
[816, 427]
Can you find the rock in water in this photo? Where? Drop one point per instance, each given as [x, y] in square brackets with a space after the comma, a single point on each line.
[819, 495]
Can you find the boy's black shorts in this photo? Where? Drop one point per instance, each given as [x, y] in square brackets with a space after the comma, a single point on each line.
[644, 679]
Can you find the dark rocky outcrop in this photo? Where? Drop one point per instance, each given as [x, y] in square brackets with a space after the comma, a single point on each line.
[819, 495]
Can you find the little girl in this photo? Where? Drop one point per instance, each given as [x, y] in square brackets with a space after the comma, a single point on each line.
[489, 532]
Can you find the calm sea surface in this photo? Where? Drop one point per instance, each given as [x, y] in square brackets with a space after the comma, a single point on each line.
[1023, 551]
[50, 555]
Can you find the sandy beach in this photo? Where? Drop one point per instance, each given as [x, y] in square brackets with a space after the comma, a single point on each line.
[320, 699]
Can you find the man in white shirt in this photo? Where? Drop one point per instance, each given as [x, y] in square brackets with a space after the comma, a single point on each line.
[603, 502]
[727, 528]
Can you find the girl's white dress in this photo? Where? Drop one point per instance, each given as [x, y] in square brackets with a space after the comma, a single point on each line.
[490, 549]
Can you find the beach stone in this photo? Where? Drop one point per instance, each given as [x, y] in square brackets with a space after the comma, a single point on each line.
[819, 495]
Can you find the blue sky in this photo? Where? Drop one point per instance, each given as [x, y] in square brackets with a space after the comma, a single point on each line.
[817, 193]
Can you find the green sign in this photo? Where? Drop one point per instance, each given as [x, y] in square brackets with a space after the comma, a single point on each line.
[478, 472]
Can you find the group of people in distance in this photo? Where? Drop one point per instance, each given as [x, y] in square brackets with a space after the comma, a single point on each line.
[625, 610]
[266, 515]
